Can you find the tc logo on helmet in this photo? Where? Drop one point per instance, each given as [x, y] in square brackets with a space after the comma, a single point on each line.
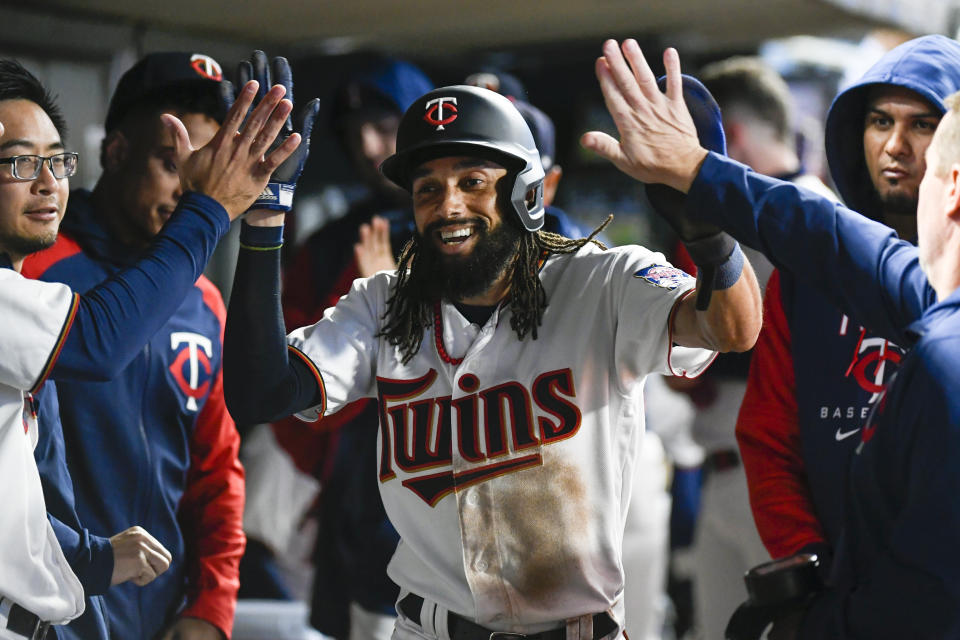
[435, 112]
[206, 67]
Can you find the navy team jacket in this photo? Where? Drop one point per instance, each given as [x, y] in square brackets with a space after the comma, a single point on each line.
[155, 447]
[897, 569]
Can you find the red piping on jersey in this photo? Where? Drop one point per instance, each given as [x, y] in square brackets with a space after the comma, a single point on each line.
[52, 360]
[438, 321]
[316, 374]
[673, 313]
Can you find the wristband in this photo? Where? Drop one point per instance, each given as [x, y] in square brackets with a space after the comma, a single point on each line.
[260, 238]
[713, 273]
[729, 272]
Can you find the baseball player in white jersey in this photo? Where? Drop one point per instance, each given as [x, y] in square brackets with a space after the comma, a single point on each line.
[49, 331]
[508, 364]
[32, 566]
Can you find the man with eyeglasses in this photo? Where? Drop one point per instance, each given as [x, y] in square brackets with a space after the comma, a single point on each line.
[156, 446]
[62, 165]
[50, 333]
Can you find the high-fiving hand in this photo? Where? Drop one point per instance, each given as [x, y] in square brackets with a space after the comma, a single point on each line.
[278, 195]
[235, 166]
[658, 141]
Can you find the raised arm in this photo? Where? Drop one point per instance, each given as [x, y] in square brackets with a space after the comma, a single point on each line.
[725, 313]
[857, 263]
[262, 381]
[112, 322]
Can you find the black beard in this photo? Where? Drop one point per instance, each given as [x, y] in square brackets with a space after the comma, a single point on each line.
[435, 275]
[25, 246]
[899, 204]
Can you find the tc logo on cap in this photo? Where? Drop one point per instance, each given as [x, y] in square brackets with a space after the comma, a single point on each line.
[434, 114]
[206, 67]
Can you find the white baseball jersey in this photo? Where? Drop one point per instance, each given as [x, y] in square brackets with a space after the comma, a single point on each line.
[505, 465]
[33, 570]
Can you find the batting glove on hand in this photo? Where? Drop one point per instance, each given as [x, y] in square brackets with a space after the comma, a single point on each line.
[706, 243]
[278, 194]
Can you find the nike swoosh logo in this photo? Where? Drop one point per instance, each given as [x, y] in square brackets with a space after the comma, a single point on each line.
[843, 435]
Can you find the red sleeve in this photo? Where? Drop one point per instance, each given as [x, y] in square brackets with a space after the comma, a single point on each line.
[211, 509]
[769, 437]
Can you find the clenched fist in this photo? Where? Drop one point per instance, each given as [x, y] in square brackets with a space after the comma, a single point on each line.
[138, 556]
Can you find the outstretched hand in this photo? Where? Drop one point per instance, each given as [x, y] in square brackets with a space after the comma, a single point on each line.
[234, 167]
[658, 141]
[278, 196]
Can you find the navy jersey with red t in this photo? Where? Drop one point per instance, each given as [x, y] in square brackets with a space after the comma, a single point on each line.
[155, 447]
[896, 573]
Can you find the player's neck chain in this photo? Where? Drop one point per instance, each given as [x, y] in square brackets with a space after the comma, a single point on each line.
[438, 336]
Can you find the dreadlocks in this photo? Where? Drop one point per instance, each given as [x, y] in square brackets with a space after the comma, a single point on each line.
[409, 311]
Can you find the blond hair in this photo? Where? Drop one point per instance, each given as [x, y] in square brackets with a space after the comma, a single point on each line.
[946, 142]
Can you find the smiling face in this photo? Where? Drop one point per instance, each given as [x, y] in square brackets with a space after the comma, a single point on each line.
[141, 170]
[456, 205]
[898, 128]
[455, 202]
[30, 210]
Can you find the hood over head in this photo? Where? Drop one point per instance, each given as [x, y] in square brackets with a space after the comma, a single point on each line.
[928, 66]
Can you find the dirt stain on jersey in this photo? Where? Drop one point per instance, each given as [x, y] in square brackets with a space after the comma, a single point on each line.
[542, 530]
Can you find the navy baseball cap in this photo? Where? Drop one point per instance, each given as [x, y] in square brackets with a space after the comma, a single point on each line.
[504, 83]
[158, 72]
[704, 111]
[544, 133]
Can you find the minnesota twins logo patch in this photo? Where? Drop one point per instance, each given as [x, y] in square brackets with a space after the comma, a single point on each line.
[663, 276]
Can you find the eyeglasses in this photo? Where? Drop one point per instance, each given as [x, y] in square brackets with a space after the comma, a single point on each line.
[62, 165]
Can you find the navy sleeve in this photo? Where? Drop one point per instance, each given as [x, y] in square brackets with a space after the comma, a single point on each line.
[858, 264]
[261, 383]
[90, 556]
[116, 318]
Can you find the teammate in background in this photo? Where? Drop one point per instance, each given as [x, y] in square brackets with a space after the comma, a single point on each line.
[816, 373]
[178, 476]
[896, 569]
[506, 523]
[758, 122]
[545, 135]
[352, 596]
[54, 333]
[366, 113]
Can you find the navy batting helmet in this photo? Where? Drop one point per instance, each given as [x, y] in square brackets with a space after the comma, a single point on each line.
[469, 121]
